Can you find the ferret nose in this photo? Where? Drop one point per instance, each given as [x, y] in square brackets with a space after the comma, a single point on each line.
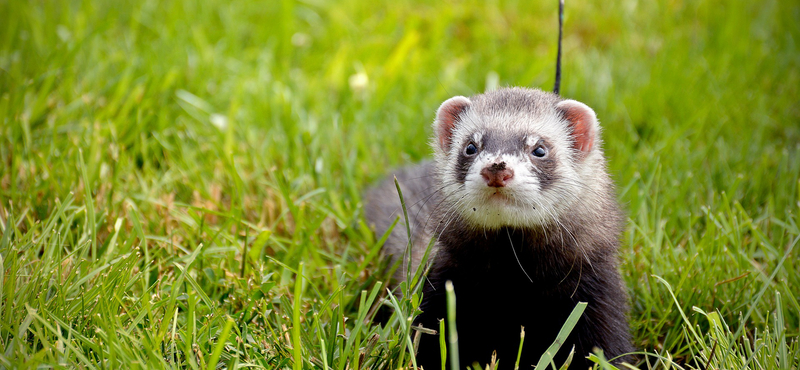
[497, 175]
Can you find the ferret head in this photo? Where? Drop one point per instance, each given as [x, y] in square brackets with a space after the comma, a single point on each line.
[517, 157]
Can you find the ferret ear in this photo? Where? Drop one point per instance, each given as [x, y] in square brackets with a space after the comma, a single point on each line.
[583, 122]
[447, 117]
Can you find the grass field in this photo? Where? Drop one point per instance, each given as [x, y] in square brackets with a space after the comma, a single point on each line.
[180, 182]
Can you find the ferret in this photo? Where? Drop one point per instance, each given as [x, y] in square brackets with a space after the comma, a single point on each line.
[526, 225]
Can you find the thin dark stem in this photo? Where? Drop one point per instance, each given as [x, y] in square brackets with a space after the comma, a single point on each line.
[557, 86]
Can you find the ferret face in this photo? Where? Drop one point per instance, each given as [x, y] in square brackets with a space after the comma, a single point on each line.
[514, 157]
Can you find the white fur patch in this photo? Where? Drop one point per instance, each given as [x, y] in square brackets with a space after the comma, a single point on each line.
[477, 138]
[531, 140]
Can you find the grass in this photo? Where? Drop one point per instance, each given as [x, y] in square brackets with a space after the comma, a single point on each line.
[180, 182]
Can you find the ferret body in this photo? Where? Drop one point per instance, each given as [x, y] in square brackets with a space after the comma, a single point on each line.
[526, 225]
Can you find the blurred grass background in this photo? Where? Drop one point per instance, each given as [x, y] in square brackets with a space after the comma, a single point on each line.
[168, 168]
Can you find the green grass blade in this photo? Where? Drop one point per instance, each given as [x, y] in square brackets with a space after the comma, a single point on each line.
[297, 344]
[563, 333]
[222, 340]
[452, 332]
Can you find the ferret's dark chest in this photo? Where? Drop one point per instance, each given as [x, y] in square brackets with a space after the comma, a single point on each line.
[502, 282]
[505, 260]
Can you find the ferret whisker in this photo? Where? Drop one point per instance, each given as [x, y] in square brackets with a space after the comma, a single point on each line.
[511, 243]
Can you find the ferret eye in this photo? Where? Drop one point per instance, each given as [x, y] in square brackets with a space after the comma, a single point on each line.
[471, 149]
[540, 151]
